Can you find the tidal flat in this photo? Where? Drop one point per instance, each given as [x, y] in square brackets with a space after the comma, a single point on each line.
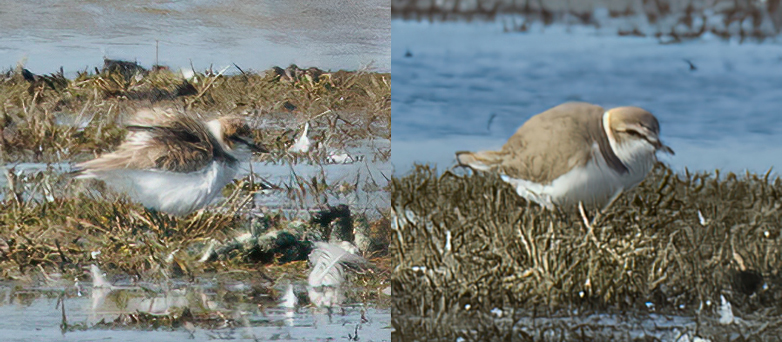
[217, 273]
[691, 254]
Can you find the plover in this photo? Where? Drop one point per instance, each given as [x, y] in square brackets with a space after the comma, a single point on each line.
[575, 153]
[174, 162]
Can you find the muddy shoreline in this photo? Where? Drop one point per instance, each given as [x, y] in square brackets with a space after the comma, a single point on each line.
[53, 228]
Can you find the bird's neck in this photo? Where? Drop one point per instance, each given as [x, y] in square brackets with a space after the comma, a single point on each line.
[222, 152]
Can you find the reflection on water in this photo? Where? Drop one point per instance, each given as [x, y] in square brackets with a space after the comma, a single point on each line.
[37, 315]
[329, 34]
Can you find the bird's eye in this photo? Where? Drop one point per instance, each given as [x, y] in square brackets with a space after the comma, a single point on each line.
[633, 133]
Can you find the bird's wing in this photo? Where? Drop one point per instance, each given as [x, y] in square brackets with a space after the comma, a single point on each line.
[171, 142]
[551, 143]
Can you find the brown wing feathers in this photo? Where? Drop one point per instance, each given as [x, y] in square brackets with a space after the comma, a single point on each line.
[167, 141]
[559, 132]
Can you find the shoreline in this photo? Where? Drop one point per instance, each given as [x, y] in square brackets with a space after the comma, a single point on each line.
[83, 115]
[668, 20]
[52, 227]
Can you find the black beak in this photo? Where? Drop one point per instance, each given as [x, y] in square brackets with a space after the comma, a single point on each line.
[652, 138]
[660, 147]
[256, 148]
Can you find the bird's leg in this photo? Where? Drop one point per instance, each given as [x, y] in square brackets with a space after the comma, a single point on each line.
[613, 199]
[587, 223]
[608, 205]
[548, 202]
[590, 231]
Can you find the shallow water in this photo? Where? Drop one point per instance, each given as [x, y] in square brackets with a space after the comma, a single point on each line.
[36, 315]
[33, 314]
[369, 178]
[469, 86]
[330, 34]
[606, 327]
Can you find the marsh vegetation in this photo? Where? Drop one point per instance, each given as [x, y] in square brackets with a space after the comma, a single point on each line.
[53, 228]
[478, 262]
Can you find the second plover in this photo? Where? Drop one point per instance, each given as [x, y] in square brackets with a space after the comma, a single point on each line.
[575, 153]
[174, 162]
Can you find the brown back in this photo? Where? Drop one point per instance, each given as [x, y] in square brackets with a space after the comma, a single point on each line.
[551, 143]
[169, 141]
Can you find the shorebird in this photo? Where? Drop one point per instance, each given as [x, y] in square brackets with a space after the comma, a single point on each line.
[173, 162]
[575, 153]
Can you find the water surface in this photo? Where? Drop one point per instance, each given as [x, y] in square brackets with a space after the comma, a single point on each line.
[36, 314]
[469, 86]
[329, 34]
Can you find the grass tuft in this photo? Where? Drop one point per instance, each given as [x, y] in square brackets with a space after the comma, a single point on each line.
[673, 245]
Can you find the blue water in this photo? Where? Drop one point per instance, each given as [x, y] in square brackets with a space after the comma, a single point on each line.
[329, 34]
[727, 114]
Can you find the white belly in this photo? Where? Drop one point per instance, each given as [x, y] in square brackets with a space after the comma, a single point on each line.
[593, 184]
[172, 192]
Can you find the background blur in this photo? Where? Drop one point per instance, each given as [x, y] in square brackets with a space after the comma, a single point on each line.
[329, 34]
[467, 74]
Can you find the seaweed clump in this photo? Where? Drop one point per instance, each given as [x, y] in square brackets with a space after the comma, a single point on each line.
[676, 245]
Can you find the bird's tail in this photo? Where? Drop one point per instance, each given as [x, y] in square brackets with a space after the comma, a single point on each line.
[80, 171]
[483, 161]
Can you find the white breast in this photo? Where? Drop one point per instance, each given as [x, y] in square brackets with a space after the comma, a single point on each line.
[593, 184]
[172, 192]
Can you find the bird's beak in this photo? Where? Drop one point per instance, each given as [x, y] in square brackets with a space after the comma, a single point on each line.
[257, 148]
[662, 147]
[652, 138]
[665, 149]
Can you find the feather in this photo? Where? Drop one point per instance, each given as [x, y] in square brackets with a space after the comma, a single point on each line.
[302, 144]
[328, 262]
[98, 279]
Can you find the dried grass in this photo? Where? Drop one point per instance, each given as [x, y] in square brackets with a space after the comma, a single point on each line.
[52, 118]
[470, 240]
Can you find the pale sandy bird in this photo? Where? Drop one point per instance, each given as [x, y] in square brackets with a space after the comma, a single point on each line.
[174, 162]
[575, 152]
